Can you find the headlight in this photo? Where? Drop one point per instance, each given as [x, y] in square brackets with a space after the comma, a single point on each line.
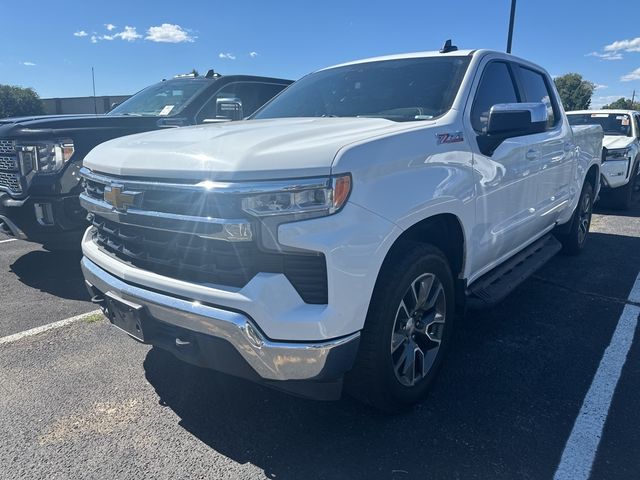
[45, 157]
[618, 154]
[301, 199]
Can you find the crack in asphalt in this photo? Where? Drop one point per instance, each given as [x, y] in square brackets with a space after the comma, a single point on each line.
[621, 301]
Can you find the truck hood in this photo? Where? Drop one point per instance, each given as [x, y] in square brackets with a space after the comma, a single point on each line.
[616, 141]
[236, 151]
[60, 125]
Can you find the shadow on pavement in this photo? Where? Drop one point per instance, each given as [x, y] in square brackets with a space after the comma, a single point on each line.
[57, 273]
[502, 406]
[605, 206]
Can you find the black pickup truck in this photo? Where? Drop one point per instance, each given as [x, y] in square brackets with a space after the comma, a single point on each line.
[40, 157]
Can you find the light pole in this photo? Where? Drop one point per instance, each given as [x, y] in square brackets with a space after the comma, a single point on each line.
[511, 20]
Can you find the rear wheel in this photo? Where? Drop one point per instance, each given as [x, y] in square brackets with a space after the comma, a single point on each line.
[574, 240]
[407, 330]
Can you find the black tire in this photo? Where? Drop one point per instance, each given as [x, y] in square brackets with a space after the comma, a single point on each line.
[375, 379]
[623, 196]
[574, 240]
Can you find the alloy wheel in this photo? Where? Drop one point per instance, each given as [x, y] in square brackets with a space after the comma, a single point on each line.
[418, 329]
[584, 218]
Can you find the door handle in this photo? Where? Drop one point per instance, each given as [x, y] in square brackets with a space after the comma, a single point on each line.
[532, 154]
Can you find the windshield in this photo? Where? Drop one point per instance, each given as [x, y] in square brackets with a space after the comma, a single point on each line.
[400, 90]
[611, 123]
[163, 99]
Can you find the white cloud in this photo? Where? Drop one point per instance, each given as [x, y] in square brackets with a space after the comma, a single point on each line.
[632, 45]
[598, 102]
[599, 86]
[227, 56]
[253, 54]
[169, 33]
[107, 37]
[109, 26]
[606, 56]
[28, 64]
[630, 77]
[80, 33]
[129, 34]
[94, 39]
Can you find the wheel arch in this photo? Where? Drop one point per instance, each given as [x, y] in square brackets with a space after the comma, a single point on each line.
[593, 177]
[445, 232]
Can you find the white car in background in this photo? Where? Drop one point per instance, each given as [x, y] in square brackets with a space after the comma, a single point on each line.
[621, 150]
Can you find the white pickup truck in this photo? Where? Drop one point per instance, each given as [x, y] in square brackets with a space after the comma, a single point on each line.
[620, 153]
[336, 234]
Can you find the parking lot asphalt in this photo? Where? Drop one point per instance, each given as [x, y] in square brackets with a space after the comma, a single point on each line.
[38, 287]
[85, 401]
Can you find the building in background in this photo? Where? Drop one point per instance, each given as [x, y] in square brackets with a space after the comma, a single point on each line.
[71, 105]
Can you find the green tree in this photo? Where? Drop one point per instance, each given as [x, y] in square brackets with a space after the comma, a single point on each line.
[623, 104]
[575, 92]
[16, 101]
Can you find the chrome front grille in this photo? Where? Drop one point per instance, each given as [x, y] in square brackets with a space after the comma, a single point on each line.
[189, 233]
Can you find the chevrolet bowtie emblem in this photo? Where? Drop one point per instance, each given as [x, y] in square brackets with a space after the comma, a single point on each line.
[118, 198]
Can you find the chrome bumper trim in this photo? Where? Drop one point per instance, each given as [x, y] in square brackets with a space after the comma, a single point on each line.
[271, 360]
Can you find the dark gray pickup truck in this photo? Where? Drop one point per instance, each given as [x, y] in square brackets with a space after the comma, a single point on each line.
[40, 157]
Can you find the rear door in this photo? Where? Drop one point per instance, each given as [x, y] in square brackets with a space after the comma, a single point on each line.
[552, 152]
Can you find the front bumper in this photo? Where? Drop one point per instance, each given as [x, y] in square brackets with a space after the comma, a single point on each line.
[615, 173]
[56, 221]
[229, 341]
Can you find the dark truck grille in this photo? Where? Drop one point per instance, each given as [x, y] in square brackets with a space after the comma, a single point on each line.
[191, 258]
[10, 178]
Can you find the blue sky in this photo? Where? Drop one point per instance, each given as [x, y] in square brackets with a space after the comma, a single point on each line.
[53, 44]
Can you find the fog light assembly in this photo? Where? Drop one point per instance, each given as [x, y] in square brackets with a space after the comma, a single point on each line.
[44, 213]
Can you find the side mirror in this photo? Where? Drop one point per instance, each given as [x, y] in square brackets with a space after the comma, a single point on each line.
[229, 109]
[517, 119]
[508, 120]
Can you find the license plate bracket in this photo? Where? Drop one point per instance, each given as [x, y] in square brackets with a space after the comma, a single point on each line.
[126, 315]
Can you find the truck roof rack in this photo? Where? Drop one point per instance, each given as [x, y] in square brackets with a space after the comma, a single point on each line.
[448, 47]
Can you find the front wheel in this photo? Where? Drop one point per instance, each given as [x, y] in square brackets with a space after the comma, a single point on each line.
[623, 196]
[573, 242]
[407, 330]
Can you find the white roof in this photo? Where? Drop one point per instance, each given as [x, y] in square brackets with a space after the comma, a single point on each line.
[611, 112]
[400, 56]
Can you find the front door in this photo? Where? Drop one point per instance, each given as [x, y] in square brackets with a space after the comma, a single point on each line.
[505, 178]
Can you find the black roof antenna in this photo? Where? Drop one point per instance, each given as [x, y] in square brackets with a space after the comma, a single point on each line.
[447, 47]
[210, 73]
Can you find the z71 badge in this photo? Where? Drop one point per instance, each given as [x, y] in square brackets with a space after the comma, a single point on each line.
[454, 137]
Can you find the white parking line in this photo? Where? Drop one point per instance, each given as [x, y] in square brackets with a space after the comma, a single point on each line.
[10, 240]
[634, 296]
[582, 445]
[45, 328]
